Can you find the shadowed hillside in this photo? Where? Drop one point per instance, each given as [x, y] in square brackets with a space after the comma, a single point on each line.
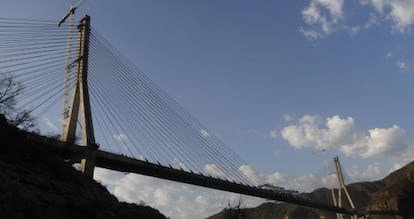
[38, 184]
[393, 193]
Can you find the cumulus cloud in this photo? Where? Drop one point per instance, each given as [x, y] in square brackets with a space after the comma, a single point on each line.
[305, 183]
[354, 30]
[388, 55]
[373, 171]
[372, 20]
[252, 176]
[403, 158]
[178, 164]
[330, 181]
[309, 133]
[341, 133]
[178, 200]
[400, 13]
[322, 17]
[243, 174]
[277, 179]
[204, 133]
[50, 124]
[175, 200]
[273, 134]
[121, 137]
[123, 141]
[310, 34]
[402, 65]
[287, 117]
[214, 170]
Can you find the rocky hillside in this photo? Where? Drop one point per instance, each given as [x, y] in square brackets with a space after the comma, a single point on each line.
[38, 184]
[394, 193]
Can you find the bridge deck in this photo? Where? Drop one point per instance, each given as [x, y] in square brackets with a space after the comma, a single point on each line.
[123, 163]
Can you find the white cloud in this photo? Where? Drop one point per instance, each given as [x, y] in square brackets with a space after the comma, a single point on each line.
[388, 55]
[372, 20]
[175, 200]
[399, 12]
[382, 141]
[377, 4]
[372, 172]
[403, 158]
[204, 133]
[50, 124]
[178, 200]
[308, 133]
[402, 65]
[354, 30]
[214, 170]
[306, 183]
[121, 137]
[402, 14]
[310, 34]
[242, 174]
[322, 16]
[330, 181]
[287, 117]
[277, 179]
[178, 164]
[252, 176]
[335, 132]
[273, 134]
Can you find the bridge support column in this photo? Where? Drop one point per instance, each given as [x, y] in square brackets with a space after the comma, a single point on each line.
[88, 163]
[80, 98]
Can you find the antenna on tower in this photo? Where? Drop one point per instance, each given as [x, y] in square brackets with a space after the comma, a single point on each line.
[71, 12]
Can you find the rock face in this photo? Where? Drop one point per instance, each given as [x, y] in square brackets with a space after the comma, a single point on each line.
[397, 194]
[394, 193]
[37, 184]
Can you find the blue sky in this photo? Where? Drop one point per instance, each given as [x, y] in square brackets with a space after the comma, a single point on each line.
[275, 80]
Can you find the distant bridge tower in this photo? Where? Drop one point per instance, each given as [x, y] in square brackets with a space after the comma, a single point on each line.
[80, 98]
[342, 186]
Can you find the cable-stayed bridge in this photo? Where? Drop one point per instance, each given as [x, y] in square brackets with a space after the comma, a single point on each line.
[115, 117]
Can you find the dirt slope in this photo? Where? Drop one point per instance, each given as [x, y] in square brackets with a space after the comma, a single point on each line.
[37, 184]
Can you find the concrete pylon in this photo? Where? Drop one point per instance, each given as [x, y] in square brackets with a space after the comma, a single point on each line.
[80, 103]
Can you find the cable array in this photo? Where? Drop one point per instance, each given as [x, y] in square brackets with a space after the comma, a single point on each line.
[33, 54]
[133, 116]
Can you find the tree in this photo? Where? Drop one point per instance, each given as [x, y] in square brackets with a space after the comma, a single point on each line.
[9, 91]
[235, 210]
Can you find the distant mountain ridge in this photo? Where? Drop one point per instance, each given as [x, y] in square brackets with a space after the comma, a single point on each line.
[394, 193]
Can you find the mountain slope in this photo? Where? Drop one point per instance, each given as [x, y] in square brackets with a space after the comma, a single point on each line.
[394, 193]
[38, 184]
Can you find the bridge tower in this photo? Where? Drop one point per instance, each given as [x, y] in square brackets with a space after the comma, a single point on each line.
[80, 103]
[342, 186]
